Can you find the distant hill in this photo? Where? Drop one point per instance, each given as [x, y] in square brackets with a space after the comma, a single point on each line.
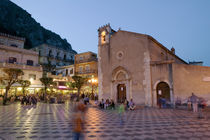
[16, 21]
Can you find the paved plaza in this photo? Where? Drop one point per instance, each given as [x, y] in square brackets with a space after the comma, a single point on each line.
[53, 121]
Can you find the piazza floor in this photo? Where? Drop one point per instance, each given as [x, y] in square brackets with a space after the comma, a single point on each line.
[53, 121]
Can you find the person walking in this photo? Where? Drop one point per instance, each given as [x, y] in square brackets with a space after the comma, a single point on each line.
[121, 111]
[194, 102]
[77, 124]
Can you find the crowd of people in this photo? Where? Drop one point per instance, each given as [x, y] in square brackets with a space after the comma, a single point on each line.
[29, 100]
[110, 104]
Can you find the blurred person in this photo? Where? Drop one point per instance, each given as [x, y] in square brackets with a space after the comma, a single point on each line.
[189, 105]
[132, 105]
[106, 104]
[160, 102]
[194, 101]
[201, 106]
[121, 111]
[112, 105]
[126, 104]
[77, 125]
[78, 120]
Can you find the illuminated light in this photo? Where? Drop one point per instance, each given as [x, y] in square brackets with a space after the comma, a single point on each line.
[103, 33]
[62, 87]
[31, 80]
[19, 88]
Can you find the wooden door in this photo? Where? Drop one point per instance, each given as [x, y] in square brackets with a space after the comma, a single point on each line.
[121, 93]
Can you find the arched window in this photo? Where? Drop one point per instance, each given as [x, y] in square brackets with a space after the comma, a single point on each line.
[50, 53]
[64, 57]
[103, 37]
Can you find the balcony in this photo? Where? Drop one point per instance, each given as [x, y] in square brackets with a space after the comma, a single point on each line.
[86, 60]
[69, 60]
[87, 72]
[51, 56]
[59, 58]
[20, 66]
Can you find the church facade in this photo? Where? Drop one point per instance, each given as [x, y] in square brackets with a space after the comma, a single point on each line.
[136, 66]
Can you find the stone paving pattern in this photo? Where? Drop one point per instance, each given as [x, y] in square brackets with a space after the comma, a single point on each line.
[53, 121]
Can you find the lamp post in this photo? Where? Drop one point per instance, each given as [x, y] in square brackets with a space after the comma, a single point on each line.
[92, 81]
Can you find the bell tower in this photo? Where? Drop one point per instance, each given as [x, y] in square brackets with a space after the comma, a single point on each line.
[104, 36]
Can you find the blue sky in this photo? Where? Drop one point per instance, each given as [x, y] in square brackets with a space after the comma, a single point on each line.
[183, 24]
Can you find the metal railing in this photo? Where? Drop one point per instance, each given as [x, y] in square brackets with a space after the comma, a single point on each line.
[86, 72]
[20, 66]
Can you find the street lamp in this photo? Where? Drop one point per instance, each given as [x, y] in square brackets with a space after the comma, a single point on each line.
[92, 81]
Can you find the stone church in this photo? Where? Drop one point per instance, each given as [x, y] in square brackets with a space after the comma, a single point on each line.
[133, 65]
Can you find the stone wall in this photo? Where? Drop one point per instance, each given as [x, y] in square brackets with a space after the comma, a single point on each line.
[190, 78]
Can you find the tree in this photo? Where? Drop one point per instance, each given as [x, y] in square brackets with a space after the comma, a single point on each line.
[11, 77]
[78, 83]
[46, 81]
[24, 84]
[71, 85]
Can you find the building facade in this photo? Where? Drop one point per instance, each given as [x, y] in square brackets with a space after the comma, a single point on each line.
[65, 70]
[86, 64]
[12, 41]
[136, 66]
[14, 56]
[54, 56]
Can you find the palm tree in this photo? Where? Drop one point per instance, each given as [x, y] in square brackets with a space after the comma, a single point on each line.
[11, 77]
[24, 84]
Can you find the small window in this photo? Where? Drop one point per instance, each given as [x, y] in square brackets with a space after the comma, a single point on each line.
[66, 72]
[71, 57]
[12, 60]
[80, 69]
[14, 45]
[104, 38]
[32, 77]
[50, 53]
[64, 57]
[30, 62]
[81, 58]
[71, 71]
[87, 67]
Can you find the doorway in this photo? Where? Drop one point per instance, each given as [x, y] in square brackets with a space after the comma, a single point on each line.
[163, 91]
[121, 93]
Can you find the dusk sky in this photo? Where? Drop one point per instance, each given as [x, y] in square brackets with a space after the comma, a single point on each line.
[183, 24]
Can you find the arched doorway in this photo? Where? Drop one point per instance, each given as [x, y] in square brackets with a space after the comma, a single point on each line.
[121, 93]
[163, 90]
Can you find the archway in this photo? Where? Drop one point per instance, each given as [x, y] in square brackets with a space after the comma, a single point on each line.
[121, 85]
[121, 93]
[163, 90]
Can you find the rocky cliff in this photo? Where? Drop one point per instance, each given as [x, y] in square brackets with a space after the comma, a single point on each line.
[16, 21]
